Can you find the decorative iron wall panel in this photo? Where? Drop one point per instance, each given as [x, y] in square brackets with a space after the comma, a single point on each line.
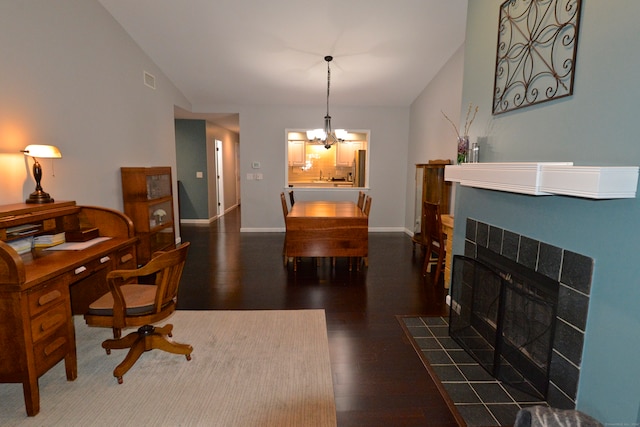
[536, 54]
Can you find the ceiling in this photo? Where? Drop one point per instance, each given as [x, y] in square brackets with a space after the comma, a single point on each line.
[254, 52]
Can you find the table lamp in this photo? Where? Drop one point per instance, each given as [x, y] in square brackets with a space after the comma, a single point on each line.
[43, 152]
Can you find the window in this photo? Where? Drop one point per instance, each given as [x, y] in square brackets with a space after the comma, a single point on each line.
[310, 164]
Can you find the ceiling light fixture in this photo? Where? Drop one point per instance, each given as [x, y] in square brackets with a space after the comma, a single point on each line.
[327, 136]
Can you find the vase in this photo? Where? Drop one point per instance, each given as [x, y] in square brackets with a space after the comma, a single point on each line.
[463, 149]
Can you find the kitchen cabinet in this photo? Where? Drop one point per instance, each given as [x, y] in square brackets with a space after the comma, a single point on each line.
[148, 201]
[345, 152]
[296, 153]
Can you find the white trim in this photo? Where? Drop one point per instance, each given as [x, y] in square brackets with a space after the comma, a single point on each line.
[542, 179]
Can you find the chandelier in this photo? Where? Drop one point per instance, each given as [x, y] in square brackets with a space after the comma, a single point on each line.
[327, 136]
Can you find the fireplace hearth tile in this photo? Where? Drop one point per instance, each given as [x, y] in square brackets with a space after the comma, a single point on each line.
[495, 239]
[557, 399]
[471, 229]
[437, 357]
[461, 392]
[439, 331]
[491, 392]
[448, 373]
[461, 375]
[577, 271]
[482, 234]
[477, 415]
[460, 356]
[528, 252]
[510, 245]
[569, 342]
[474, 372]
[427, 343]
[504, 413]
[573, 307]
[549, 261]
[564, 375]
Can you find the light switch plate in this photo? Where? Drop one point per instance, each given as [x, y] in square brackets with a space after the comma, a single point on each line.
[255, 165]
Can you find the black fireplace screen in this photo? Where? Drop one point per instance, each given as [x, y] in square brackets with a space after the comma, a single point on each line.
[504, 315]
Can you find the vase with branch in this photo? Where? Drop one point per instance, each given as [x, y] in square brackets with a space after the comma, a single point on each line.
[463, 139]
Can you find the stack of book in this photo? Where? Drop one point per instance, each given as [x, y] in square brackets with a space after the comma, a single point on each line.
[48, 240]
[22, 246]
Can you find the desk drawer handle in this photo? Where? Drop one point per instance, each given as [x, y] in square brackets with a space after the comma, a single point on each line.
[51, 348]
[47, 298]
[104, 259]
[51, 322]
[80, 269]
[126, 258]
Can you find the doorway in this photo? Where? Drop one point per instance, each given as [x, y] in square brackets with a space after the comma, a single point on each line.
[219, 178]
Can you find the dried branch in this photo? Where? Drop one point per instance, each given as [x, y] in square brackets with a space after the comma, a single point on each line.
[452, 124]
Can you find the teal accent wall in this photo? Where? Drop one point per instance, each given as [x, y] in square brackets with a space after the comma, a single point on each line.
[597, 125]
[191, 157]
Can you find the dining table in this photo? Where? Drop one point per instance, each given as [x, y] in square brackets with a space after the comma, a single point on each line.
[326, 229]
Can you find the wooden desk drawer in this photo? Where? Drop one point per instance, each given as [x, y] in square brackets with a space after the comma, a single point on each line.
[125, 259]
[90, 267]
[50, 351]
[49, 321]
[47, 296]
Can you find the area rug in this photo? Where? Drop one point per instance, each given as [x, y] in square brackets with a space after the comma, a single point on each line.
[248, 368]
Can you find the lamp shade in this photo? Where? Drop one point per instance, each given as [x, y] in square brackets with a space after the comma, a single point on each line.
[43, 151]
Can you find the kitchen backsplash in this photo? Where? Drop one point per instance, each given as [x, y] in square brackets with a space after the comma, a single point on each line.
[319, 159]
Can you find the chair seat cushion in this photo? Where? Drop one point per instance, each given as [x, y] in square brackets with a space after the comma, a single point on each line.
[139, 300]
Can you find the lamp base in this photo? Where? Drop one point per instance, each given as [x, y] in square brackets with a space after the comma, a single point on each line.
[39, 196]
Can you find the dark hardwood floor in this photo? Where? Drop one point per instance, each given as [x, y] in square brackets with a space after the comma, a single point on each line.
[378, 378]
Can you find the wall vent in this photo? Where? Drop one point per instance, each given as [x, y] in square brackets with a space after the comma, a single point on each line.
[149, 80]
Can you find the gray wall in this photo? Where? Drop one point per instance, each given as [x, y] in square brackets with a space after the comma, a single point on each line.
[595, 126]
[191, 156]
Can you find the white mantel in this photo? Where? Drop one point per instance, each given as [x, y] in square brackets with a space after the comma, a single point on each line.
[548, 178]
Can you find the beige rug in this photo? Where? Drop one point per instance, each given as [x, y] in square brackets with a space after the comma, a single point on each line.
[248, 368]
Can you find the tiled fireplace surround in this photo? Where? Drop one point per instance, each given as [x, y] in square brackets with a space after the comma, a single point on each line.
[574, 273]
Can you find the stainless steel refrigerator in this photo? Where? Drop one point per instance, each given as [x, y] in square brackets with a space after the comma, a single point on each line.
[359, 168]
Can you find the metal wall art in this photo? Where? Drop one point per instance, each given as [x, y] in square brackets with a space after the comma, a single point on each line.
[536, 55]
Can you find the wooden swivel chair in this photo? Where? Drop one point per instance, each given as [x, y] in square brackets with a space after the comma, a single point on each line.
[433, 238]
[130, 304]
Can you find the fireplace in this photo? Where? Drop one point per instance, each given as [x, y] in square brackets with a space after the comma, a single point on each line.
[519, 306]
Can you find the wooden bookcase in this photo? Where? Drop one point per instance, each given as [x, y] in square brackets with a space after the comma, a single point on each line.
[148, 201]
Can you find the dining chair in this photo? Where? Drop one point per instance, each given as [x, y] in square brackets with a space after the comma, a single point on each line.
[291, 198]
[433, 238]
[361, 197]
[367, 206]
[366, 209]
[285, 212]
[133, 302]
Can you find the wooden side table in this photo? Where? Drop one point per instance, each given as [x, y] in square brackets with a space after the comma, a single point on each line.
[447, 229]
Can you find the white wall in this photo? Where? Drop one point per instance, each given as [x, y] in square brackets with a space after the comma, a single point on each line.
[71, 77]
[431, 136]
[263, 139]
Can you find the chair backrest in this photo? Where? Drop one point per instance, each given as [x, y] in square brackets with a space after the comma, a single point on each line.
[166, 267]
[291, 199]
[432, 223]
[367, 206]
[361, 197]
[285, 209]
